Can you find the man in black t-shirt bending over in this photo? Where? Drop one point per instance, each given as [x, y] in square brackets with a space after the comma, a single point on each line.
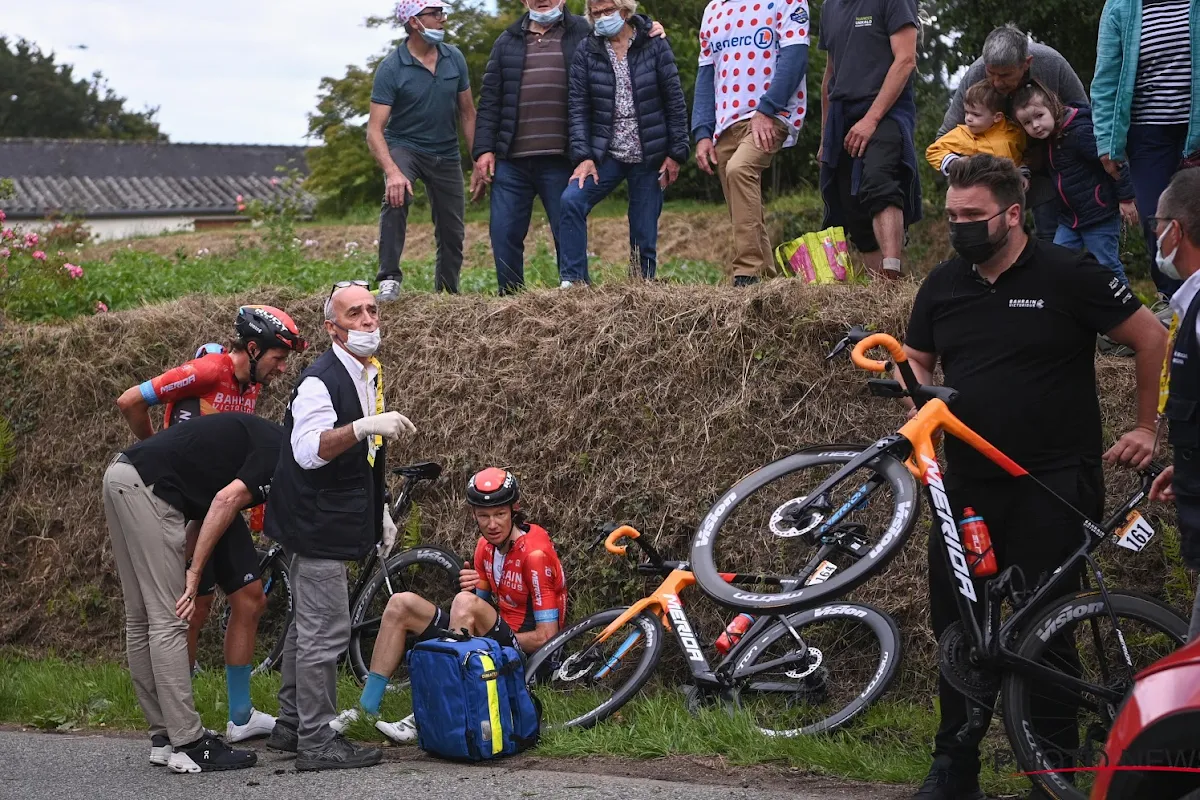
[209, 469]
[1013, 321]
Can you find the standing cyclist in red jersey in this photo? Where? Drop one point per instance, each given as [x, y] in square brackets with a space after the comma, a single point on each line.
[215, 382]
[515, 593]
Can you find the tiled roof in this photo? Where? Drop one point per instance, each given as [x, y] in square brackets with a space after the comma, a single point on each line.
[96, 178]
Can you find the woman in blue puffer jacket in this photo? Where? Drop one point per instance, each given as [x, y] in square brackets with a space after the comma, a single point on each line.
[628, 122]
[1091, 203]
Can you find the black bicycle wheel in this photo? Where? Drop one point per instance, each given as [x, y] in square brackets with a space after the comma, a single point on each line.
[429, 572]
[805, 552]
[845, 659]
[581, 681]
[1055, 728]
[273, 625]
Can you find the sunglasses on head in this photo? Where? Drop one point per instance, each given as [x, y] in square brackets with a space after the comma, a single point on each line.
[347, 285]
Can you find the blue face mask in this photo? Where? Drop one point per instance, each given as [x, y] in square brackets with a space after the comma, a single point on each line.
[433, 35]
[546, 17]
[609, 25]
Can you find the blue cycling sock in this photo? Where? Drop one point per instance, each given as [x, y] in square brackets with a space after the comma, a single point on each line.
[372, 693]
[237, 685]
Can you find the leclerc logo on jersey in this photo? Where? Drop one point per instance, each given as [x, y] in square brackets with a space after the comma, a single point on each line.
[763, 39]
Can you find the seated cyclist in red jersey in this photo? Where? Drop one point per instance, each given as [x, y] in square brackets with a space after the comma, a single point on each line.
[217, 381]
[514, 592]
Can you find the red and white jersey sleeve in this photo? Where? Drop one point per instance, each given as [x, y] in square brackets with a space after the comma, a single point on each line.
[742, 39]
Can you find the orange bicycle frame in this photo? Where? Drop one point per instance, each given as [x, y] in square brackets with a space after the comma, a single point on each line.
[664, 601]
[931, 419]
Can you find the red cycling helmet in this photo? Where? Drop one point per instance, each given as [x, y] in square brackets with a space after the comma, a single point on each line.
[493, 487]
[269, 327]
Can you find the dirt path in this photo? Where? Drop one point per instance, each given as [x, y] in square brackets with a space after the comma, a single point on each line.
[691, 237]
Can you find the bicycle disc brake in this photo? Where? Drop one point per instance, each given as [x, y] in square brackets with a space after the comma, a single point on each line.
[954, 651]
[815, 659]
[790, 520]
[576, 666]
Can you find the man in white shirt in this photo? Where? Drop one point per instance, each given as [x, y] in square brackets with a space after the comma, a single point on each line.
[328, 507]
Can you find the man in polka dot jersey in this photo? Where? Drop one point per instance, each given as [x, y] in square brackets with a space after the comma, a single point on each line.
[868, 159]
[750, 103]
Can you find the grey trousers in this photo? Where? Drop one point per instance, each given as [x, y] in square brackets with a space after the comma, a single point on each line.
[443, 179]
[317, 637]
[147, 536]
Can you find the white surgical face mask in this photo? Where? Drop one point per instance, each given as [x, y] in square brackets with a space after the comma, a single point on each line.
[361, 343]
[1166, 263]
[547, 17]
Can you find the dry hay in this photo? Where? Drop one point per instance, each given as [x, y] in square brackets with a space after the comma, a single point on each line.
[631, 403]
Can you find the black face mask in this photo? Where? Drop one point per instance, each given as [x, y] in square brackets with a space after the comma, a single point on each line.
[972, 240]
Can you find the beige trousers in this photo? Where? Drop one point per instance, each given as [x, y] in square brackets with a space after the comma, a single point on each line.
[147, 536]
[740, 165]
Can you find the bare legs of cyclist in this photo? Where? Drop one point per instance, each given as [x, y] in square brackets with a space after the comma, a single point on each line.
[246, 607]
[410, 614]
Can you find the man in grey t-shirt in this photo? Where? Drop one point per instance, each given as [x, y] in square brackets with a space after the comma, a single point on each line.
[420, 100]
[1009, 61]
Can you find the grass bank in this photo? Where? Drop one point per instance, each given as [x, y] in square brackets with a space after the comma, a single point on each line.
[888, 744]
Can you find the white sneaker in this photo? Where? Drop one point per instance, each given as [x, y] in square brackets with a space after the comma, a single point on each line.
[344, 720]
[402, 732]
[259, 724]
[160, 750]
[389, 291]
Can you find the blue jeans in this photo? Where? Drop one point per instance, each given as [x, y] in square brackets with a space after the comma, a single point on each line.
[645, 205]
[1102, 240]
[517, 182]
[1154, 155]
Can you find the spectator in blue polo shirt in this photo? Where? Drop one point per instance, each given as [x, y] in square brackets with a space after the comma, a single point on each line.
[420, 101]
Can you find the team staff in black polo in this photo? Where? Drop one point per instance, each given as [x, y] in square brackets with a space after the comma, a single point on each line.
[1013, 321]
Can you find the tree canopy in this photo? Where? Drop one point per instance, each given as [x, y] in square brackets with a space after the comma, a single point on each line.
[41, 98]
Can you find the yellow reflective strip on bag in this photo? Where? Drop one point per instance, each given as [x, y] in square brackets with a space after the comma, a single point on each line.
[489, 667]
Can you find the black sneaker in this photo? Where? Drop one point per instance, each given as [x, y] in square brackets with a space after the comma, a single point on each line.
[283, 738]
[943, 783]
[340, 753]
[745, 280]
[210, 754]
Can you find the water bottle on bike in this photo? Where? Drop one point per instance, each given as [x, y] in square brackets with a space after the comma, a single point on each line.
[734, 631]
[977, 541]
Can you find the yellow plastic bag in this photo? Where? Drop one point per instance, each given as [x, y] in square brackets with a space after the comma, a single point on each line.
[821, 257]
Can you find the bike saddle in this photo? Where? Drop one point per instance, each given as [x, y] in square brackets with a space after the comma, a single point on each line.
[424, 471]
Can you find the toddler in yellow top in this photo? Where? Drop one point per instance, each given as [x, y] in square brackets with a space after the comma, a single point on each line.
[987, 130]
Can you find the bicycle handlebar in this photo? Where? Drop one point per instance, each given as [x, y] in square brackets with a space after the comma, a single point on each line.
[610, 543]
[859, 354]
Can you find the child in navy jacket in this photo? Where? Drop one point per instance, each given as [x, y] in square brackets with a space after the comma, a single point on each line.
[1091, 203]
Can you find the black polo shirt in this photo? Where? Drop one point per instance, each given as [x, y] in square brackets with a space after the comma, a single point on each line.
[188, 464]
[858, 35]
[1021, 352]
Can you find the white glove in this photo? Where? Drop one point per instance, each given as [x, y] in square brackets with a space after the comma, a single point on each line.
[389, 533]
[389, 424]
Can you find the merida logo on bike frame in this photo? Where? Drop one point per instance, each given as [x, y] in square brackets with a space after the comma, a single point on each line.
[941, 503]
[680, 621]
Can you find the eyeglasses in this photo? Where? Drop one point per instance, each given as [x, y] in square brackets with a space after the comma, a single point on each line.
[347, 285]
[437, 13]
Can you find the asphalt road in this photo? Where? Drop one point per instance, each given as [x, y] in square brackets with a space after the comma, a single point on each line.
[39, 766]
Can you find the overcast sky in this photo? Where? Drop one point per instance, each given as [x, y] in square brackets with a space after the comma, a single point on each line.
[219, 70]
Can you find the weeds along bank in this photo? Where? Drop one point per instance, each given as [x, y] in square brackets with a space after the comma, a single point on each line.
[631, 403]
